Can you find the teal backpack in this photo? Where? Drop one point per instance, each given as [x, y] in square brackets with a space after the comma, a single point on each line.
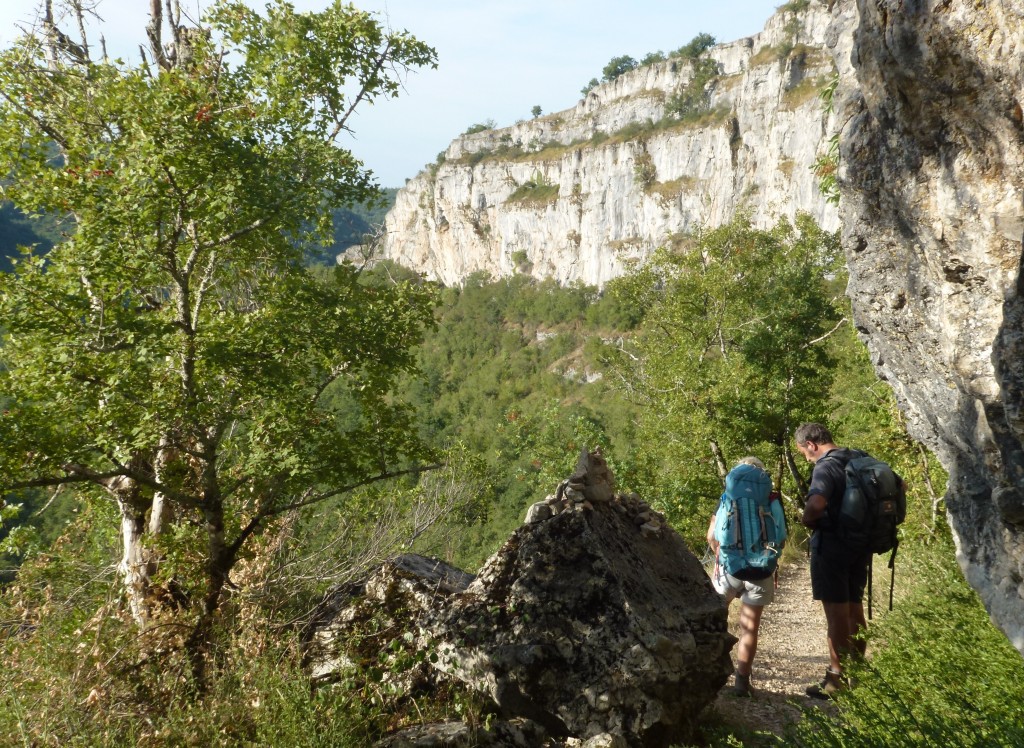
[750, 525]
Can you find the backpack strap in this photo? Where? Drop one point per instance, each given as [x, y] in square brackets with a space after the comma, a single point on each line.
[892, 577]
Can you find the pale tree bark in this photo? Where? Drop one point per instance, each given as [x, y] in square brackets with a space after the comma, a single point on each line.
[135, 566]
[723, 469]
[798, 478]
[160, 511]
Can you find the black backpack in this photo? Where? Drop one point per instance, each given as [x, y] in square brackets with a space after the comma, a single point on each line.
[873, 506]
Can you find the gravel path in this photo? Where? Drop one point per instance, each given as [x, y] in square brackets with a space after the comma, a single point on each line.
[791, 654]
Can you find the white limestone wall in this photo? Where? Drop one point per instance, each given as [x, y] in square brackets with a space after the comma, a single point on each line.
[456, 219]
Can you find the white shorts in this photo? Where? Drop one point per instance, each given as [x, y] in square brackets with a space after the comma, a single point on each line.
[757, 593]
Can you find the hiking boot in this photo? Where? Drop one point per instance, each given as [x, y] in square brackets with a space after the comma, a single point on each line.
[741, 686]
[830, 685]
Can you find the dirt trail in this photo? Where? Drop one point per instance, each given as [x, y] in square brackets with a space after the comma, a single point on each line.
[791, 654]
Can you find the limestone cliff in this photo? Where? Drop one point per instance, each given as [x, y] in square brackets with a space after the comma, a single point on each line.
[932, 208]
[577, 194]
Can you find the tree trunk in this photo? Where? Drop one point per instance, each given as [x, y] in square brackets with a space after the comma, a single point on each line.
[159, 514]
[723, 469]
[798, 478]
[135, 567]
[220, 560]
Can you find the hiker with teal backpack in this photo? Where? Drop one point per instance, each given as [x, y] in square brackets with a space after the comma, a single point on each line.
[747, 534]
[853, 506]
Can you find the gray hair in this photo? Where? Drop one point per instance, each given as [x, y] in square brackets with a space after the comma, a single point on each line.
[813, 432]
[751, 460]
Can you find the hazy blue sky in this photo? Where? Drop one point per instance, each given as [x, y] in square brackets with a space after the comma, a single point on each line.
[497, 59]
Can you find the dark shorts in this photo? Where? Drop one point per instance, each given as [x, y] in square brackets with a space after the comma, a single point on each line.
[837, 575]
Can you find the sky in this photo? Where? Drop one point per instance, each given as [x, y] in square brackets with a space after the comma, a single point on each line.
[497, 59]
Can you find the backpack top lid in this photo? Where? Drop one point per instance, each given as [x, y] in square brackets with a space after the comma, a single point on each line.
[748, 480]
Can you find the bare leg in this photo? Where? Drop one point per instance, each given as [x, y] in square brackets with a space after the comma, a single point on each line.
[750, 621]
[837, 616]
[858, 624]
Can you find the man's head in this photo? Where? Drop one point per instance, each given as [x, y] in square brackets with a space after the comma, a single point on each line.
[813, 440]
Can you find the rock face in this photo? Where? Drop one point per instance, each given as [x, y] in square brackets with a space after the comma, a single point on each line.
[578, 194]
[932, 185]
[583, 624]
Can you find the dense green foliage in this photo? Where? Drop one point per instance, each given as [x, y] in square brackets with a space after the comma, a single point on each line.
[501, 373]
[616, 67]
[694, 99]
[732, 354]
[696, 46]
[174, 355]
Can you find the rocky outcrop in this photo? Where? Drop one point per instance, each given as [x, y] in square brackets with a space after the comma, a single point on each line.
[578, 194]
[932, 185]
[592, 622]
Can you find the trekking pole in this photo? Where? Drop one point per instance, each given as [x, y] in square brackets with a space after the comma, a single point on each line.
[871, 573]
[892, 571]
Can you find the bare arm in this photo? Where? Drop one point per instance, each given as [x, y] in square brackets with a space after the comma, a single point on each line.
[814, 510]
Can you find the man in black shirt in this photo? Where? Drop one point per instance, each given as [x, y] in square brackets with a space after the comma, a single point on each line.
[838, 575]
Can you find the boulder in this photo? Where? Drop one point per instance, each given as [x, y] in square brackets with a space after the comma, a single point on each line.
[593, 625]
[396, 594]
[588, 625]
[511, 734]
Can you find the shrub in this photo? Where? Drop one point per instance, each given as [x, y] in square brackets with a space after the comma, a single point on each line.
[594, 83]
[644, 171]
[826, 169]
[617, 66]
[695, 47]
[694, 99]
[537, 191]
[795, 6]
[489, 124]
[519, 257]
